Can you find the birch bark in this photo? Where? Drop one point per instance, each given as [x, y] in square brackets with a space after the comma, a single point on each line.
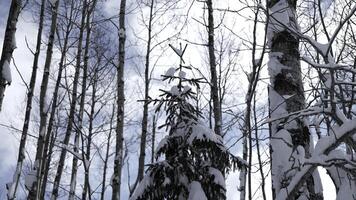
[9, 46]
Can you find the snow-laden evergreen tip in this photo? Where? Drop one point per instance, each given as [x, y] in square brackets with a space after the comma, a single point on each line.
[194, 158]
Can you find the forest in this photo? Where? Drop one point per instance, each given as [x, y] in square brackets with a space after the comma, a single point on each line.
[178, 99]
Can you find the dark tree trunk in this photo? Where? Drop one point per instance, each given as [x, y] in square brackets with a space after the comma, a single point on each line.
[141, 160]
[214, 80]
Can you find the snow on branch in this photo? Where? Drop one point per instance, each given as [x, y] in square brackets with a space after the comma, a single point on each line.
[323, 147]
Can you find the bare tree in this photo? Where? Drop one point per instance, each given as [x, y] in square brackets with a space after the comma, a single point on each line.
[49, 139]
[253, 78]
[286, 95]
[12, 187]
[73, 104]
[34, 191]
[79, 124]
[118, 162]
[8, 47]
[141, 161]
[212, 61]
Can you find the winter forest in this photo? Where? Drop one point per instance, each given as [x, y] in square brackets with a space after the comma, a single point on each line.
[178, 99]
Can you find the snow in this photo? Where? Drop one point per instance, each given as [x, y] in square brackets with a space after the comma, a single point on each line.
[281, 152]
[13, 42]
[323, 145]
[175, 91]
[287, 96]
[182, 74]
[145, 182]
[196, 191]
[347, 191]
[281, 16]
[299, 155]
[170, 72]
[43, 132]
[322, 48]
[6, 72]
[30, 178]
[11, 186]
[178, 51]
[183, 179]
[122, 32]
[277, 106]
[274, 66]
[203, 133]
[218, 177]
[186, 88]
[338, 132]
[53, 2]
[162, 143]
[343, 181]
[166, 181]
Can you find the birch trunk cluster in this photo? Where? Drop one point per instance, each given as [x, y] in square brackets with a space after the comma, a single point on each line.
[257, 99]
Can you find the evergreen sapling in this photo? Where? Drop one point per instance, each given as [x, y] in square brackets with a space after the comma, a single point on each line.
[191, 160]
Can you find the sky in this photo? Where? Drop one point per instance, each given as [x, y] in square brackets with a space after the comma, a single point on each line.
[14, 102]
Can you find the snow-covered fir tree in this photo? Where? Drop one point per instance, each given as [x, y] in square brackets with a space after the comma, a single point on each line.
[193, 158]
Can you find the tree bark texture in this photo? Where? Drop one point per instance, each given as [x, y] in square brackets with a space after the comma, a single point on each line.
[30, 94]
[9, 44]
[118, 162]
[286, 95]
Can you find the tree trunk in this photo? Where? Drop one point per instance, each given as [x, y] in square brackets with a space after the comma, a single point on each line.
[141, 161]
[103, 183]
[22, 148]
[286, 95]
[49, 133]
[8, 47]
[243, 172]
[81, 112]
[73, 104]
[34, 192]
[214, 80]
[118, 162]
[153, 138]
[86, 189]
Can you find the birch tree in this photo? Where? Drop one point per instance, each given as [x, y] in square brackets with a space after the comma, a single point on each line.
[12, 187]
[79, 123]
[49, 137]
[116, 183]
[8, 47]
[247, 129]
[34, 191]
[329, 108]
[73, 104]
